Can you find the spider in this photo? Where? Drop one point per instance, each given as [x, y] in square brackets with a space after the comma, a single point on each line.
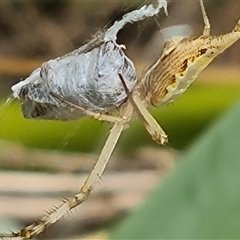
[113, 85]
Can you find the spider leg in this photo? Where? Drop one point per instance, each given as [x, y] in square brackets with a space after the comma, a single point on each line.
[150, 123]
[98, 116]
[207, 25]
[125, 112]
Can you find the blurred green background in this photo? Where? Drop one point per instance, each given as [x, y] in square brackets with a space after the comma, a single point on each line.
[32, 32]
[182, 121]
[200, 198]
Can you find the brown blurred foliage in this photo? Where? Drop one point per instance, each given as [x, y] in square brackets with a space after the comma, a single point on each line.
[34, 31]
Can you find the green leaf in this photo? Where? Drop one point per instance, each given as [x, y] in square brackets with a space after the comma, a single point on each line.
[200, 199]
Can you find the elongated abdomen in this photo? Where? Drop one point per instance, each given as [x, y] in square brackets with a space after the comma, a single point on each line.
[180, 64]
